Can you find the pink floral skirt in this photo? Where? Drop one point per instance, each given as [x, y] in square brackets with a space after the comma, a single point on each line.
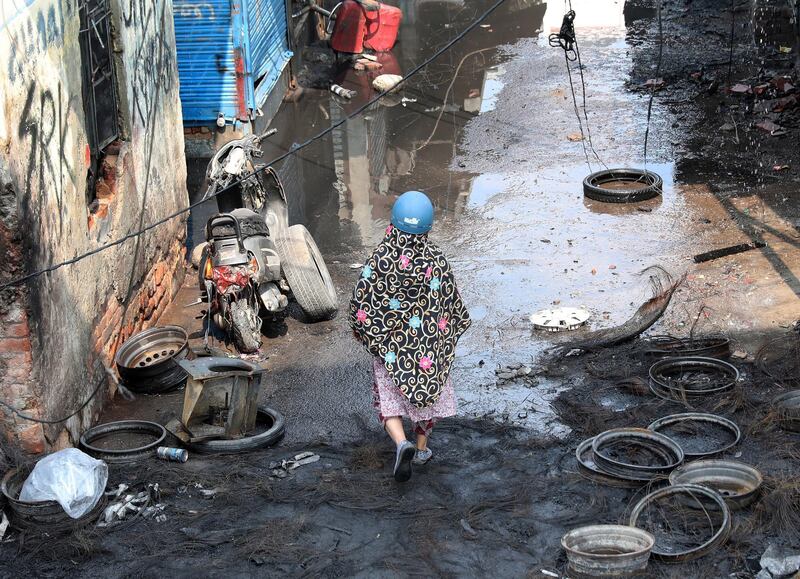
[390, 401]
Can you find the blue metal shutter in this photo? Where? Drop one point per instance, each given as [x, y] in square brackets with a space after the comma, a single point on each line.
[210, 39]
[269, 44]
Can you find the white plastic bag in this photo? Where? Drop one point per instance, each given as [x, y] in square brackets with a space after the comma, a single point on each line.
[72, 478]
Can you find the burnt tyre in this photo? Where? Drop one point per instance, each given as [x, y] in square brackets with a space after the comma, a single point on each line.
[307, 274]
[245, 326]
[269, 430]
[622, 185]
[148, 362]
[42, 516]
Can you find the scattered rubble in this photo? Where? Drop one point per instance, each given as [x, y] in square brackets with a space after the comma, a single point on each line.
[145, 504]
[654, 83]
[776, 562]
[386, 82]
[741, 89]
[282, 468]
[770, 127]
[513, 372]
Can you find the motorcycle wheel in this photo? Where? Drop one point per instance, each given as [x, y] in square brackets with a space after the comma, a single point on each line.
[245, 327]
[307, 274]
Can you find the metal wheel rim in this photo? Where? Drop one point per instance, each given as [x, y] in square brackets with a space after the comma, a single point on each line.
[752, 477]
[599, 476]
[730, 425]
[642, 434]
[123, 426]
[702, 346]
[724, 367]
[716, 539]
[136, 345]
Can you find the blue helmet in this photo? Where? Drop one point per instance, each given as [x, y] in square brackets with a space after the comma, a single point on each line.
[413, 213]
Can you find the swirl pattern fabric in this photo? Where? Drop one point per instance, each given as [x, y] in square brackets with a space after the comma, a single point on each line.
[407, 311]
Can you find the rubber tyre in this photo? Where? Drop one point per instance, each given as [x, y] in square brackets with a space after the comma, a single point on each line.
[593, 191]
[247, 443]
[198, 253]
[307, 274]
[246, 338]
[45, 516]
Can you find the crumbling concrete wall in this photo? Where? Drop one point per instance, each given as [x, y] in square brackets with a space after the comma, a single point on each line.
[58, 331]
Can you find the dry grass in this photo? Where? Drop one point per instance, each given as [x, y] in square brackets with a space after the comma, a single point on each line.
[368, 456]
[276, 539]
[777, 513]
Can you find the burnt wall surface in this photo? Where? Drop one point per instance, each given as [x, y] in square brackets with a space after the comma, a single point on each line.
[58, 331]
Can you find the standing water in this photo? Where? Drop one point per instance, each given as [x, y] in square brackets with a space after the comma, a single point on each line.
[488, 131]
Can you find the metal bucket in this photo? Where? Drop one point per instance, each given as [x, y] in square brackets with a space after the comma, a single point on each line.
[788, 407]
[607, 550]
[737, 483]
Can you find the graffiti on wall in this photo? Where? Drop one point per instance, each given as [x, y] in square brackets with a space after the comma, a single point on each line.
[44, 127]
[35, 36]
[154, 56]
[195, 10]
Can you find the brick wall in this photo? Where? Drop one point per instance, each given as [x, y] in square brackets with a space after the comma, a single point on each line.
[119, 322]
[59, 330]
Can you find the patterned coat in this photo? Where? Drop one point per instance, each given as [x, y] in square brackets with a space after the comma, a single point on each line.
[407, 311]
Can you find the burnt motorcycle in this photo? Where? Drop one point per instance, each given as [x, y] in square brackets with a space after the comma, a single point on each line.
[254, 261]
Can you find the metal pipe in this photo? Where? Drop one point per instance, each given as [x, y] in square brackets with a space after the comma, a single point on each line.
[320, 10]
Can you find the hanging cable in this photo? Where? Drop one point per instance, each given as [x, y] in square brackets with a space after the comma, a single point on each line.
[655, 80]
[730, 42]
[60, 420]
[566, 40]
[295, 148]
[585, 114]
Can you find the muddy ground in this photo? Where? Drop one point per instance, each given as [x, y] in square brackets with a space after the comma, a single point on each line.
[498, 160]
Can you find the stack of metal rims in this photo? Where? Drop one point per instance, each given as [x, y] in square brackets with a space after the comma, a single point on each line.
[690, 377]
[628, 457]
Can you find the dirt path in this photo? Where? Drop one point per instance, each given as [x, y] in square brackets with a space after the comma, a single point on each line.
[506, 178]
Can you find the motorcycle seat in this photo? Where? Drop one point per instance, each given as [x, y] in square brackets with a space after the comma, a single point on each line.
[250, 223]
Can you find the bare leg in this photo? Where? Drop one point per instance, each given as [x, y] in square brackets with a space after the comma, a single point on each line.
[422, 442]
[394, 428]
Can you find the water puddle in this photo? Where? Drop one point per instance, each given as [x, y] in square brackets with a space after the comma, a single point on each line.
[484, 131]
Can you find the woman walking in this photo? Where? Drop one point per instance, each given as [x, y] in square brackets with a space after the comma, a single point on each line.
[407, 312]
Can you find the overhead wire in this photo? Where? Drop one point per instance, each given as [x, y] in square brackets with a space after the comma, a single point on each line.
[295, 148]
[292, 150]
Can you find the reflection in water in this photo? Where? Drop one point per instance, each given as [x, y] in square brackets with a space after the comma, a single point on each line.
[484, 187]
[667, 173]
[343, 186]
